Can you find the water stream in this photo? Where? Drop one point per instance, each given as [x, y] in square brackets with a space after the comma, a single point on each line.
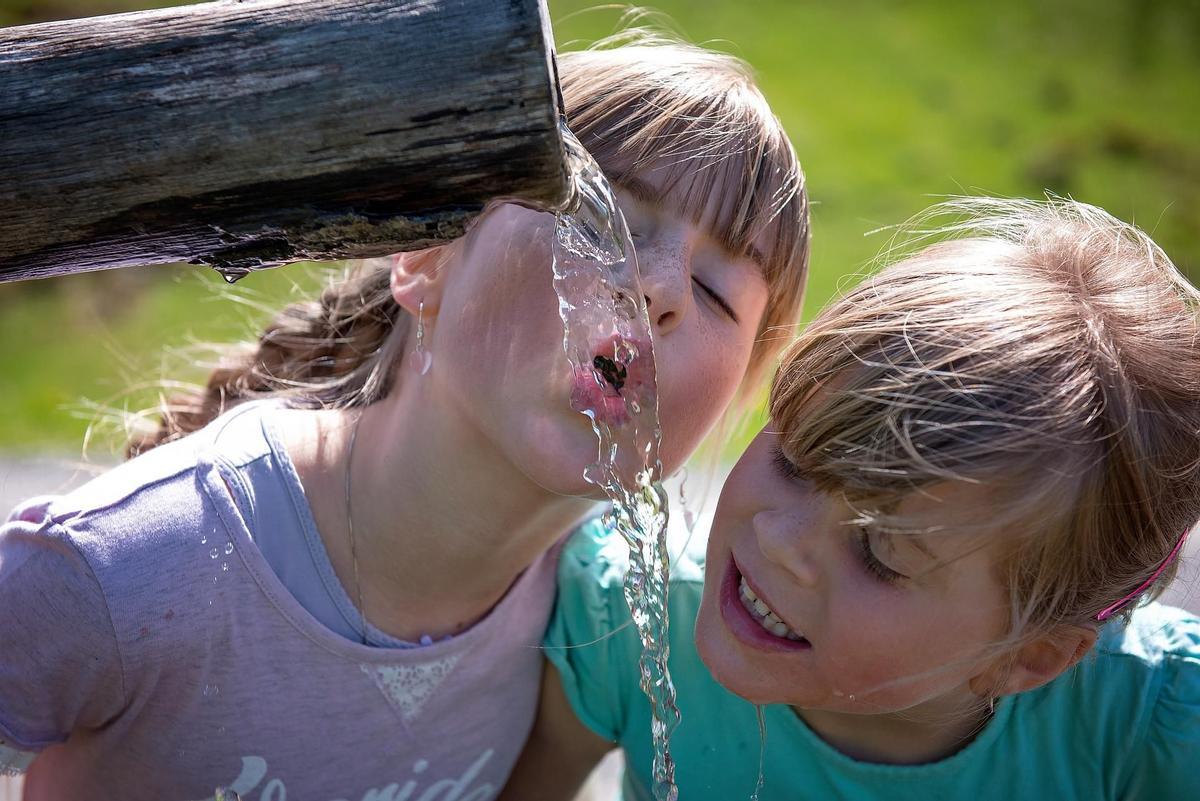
[608, 342]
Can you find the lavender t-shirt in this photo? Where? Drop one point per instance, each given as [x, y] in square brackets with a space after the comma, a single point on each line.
[149, 651]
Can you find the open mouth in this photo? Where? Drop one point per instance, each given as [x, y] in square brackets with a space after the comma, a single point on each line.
[764, 614]
[752, 620]
[610, 389]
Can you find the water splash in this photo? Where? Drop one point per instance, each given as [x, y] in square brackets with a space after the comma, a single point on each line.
[762, 750]
[607, 338]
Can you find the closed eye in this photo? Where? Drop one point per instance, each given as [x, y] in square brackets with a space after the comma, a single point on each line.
[872, 563]
[785, 466]
[717, 299]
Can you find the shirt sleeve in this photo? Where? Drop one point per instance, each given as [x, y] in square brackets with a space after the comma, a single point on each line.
[1166, 764]
[60, 668]
[591, 639]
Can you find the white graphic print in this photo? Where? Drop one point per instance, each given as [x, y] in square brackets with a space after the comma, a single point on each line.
[254, 770]
[12, 761]
[408, 687]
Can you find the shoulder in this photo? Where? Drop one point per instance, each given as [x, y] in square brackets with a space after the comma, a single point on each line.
[147, 501]
[143, 529]
[591, 603]
[1133, 663]
[1143, 687]
[1155, 634]
[1165, 642]
[596, 555]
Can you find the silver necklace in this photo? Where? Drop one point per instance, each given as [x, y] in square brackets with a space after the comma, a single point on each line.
[362, 610]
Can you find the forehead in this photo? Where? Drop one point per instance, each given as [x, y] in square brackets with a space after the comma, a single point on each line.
[704, 200]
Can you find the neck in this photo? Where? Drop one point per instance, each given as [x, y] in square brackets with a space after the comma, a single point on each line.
[442, 523]
[929, 733]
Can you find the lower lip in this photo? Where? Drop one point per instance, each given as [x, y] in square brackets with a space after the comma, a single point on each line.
[590, 398]
[745, 627]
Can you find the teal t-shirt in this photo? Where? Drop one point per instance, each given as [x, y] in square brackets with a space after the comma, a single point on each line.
[1123, 724]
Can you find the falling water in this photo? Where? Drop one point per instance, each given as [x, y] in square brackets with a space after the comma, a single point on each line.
[762, 750]
[607, 340]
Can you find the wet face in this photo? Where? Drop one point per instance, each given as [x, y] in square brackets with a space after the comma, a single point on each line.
[497, 336]
[847, 619]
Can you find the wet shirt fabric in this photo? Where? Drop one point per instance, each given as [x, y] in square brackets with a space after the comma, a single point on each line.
[1124, 724]
[148, 650]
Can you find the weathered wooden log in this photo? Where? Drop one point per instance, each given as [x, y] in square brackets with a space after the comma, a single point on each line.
[253, 133]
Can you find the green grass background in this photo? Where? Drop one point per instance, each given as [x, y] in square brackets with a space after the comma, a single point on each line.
[889, 104]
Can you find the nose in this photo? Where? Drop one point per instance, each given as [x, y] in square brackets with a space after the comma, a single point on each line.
[787, 542]
[666, 263]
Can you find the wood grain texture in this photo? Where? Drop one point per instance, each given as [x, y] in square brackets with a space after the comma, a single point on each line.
[249, 134]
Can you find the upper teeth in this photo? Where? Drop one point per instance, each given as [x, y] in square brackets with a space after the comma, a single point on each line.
[765, 616]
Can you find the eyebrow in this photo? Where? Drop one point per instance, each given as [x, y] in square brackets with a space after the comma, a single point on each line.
[916, 541]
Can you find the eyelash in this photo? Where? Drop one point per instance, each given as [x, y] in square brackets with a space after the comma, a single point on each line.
[785, 466]
[717, 299]
[872, 563]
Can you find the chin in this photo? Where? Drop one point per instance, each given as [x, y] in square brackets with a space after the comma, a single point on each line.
[554, 458]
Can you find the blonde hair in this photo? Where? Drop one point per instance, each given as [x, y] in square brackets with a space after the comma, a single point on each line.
[636, 100]
[1046, 350]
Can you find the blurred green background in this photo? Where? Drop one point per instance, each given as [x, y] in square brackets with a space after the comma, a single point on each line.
[888, 104]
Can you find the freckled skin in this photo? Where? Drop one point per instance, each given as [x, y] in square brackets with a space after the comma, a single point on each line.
[877, 648]
[497, 340]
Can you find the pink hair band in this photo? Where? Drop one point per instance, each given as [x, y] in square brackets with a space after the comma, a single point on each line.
[1109, 611]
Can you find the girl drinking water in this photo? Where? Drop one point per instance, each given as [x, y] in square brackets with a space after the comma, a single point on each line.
[329, 578]
[929, 566]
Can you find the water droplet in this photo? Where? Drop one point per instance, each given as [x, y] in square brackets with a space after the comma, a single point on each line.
[214, 553]
[204, 540]
[214, 579]
[231, 274]
[594, 474]
[228, 548]
[625, 352]
[211, 690]
[635, 407]
[224, 567]
[220, 730]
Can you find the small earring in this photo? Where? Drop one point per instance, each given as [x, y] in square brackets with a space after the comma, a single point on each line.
[689, 517]
[422, 359]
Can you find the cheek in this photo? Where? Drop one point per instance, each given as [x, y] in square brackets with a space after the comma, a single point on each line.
[893, 653]
[697, 379]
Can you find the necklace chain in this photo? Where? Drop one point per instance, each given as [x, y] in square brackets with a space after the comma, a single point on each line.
[362, 610]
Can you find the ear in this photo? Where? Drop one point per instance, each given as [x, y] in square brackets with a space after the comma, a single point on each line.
[1037, 662]
[418, 276]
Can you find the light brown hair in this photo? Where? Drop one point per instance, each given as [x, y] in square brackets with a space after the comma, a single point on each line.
[1046, 350]
[634, 100]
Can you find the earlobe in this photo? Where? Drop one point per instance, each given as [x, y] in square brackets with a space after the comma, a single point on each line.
[1046, 658]
[416, 278]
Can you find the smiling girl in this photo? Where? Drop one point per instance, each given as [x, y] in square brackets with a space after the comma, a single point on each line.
[336, 589]
[927, 565]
